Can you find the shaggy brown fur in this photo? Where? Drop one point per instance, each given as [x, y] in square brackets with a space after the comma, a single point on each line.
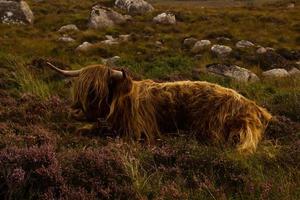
[146, 108]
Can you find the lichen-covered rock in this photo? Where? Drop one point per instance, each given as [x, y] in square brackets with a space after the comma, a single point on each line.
[261, 50]
[84, 47]
[232, 71]
[111, 61]
[294, 72]
[102, 17]
[200, 46]
[124, 38]
[68, 28]
[134, 6]
[189, 42]
[66, 39]
[276, 73]
[271, 60]
[15, 12]
[221, 50]
[165, 18]
[244, 44]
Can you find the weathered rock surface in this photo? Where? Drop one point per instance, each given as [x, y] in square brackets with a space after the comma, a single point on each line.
[165, 18]
[189, 42]
[276, 73]
[68, 28]
[111, 61]
[232, 71]
[110, 40]
[270, 60]
[102, 17]
[288, 54]
[291, 5]
[221, 50]
[294, 72]
[134, 6]
[84, 47]
[200, 46]
[261, 50]
[244, 44]
[124, 38]
[15, 12]
[66, 39]
[223, 39]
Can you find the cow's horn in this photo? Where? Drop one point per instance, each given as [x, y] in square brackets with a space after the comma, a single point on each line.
[117, 74]
[67, 73]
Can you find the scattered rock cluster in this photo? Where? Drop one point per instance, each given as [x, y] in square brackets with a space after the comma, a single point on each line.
[109, 40]
[273, 61]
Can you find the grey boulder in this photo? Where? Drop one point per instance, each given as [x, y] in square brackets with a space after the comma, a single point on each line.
[221, 50]
[276, 73]
[233, 72]
[134, 6]
[165, 18]
[102, 17]
[200, 46]
[15, 12]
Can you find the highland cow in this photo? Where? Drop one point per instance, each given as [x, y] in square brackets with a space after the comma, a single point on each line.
[146, 109]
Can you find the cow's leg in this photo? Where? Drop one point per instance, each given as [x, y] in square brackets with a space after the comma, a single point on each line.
[86, 129]
[100, 128]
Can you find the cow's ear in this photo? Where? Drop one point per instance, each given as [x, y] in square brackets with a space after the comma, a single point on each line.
[123, 84]
[124, 73]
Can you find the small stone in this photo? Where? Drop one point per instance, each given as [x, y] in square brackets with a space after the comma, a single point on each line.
[291, 5]
[189, 42]
[223, 39]
[110, 42]
[111, 61]
[124, 38]
[261, 50]
[66, 39]
[165, 18]
[198, 56]
[158, 43]
[270, 49]
[200, 46]
[221, 50]
[84, 47]
[68, 28]
[244, 44]
[294, 71]
[109, 37]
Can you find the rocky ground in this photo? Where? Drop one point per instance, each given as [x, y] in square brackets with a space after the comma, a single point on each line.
[252, 47]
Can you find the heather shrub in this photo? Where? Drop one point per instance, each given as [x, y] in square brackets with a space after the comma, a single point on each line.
[98, 171]
[26, 173]
[30, 109]
[282, 129]
[171, 191]
[67, 193]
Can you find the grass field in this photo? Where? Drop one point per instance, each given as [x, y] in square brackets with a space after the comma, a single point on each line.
[43, 157]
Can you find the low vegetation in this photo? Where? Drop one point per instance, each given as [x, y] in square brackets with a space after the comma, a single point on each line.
[43, 157]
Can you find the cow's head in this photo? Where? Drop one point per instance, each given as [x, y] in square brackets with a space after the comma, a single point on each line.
[95, 88]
